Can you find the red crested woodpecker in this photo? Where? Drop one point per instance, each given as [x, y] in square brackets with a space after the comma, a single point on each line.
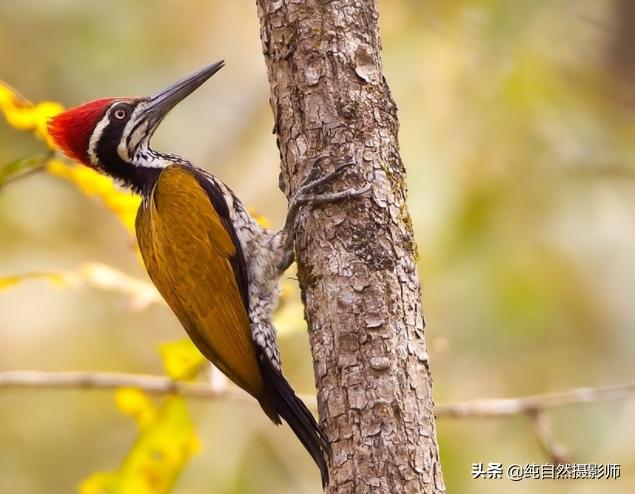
[216, 267]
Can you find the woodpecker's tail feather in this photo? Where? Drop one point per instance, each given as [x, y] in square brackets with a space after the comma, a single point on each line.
[284, 403]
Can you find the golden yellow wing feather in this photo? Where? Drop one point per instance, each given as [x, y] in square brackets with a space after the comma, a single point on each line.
[188, 254]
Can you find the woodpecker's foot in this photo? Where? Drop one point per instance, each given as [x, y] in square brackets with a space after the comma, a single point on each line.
[306, 196]
[305, 193]
[311, 182]
[315, 199]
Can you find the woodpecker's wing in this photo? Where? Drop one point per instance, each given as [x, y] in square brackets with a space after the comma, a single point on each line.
[193, 256]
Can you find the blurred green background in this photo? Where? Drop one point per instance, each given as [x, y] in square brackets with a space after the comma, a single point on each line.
[517, 131]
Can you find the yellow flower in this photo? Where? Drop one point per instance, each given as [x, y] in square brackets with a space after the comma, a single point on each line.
[123, 204]
[21, 114]
[165, 443]
[136, 404]
[181, 359]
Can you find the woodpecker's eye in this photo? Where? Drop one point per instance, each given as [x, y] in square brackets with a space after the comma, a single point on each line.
[120, 113]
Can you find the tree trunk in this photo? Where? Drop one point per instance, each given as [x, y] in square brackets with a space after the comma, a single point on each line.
[357, 258]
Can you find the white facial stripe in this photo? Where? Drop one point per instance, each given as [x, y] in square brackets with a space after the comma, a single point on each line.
[140, 142]
[133, 142]
[95, 137]
[138, 135]
[122, 149]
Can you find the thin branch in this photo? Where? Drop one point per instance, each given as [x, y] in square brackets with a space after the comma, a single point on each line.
[556, 452]
[20, 176]
[498, 407]
[27, 164]
[482, 408]
[114, 380]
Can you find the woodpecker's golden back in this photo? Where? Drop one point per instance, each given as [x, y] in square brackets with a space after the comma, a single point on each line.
[191, 257]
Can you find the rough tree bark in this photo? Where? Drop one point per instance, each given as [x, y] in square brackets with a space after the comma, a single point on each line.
[356, 259]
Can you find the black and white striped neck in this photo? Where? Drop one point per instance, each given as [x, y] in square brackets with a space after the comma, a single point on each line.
[141, 172]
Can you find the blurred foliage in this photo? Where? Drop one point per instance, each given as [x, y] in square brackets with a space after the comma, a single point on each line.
[165, 443]
[517, 132]
[138, 294]
[123, 204]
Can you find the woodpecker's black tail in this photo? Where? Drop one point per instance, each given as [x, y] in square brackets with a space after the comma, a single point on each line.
[289, 407]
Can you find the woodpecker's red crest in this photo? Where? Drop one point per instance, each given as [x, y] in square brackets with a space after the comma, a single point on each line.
[71, 130]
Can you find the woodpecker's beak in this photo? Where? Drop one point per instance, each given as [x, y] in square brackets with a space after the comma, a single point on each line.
[161, 103]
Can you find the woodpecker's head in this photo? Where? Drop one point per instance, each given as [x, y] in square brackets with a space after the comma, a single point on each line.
[112, 135]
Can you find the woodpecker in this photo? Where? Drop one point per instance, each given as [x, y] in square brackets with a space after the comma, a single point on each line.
[215, 266]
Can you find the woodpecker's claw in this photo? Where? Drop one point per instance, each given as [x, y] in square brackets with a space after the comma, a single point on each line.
[314, 171]
[305, 196]
[327, 197]
[311, 182]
